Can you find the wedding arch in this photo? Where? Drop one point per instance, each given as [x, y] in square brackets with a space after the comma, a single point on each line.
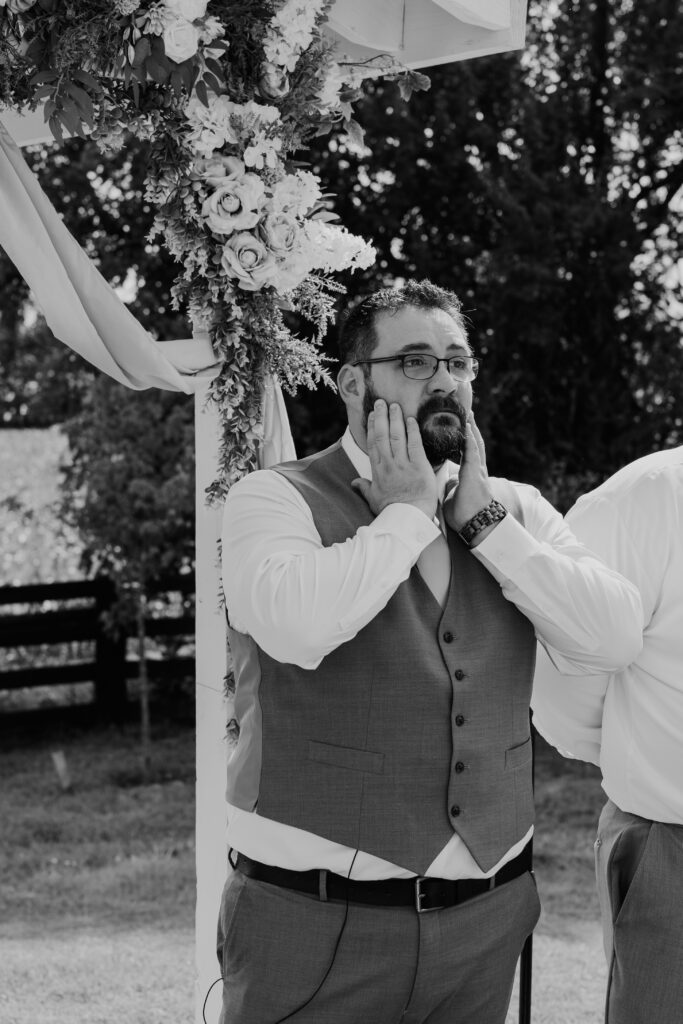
[226, 92]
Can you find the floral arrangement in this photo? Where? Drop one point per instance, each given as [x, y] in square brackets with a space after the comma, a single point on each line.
[227, 92]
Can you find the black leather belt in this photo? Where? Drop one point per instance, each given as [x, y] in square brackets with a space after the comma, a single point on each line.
[421, 892]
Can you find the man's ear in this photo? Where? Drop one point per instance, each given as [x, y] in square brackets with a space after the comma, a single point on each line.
[351, 385]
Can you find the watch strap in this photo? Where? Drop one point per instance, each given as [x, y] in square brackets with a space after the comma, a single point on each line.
[487, 516]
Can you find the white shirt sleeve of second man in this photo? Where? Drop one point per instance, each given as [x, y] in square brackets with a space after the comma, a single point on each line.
[297, 599]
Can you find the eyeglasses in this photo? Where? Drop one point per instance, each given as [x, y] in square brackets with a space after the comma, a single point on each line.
[421, 366]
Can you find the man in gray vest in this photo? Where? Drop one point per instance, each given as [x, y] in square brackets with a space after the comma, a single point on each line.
[384, 605]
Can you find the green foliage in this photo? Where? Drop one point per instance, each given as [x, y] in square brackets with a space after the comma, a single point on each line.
[541, 188]
[46, 47]
[129, 490]
[35, 545]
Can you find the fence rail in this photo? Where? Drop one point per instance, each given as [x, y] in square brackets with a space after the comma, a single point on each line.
[109, 667]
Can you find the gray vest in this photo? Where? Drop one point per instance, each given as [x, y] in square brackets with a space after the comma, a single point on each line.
[416, 728]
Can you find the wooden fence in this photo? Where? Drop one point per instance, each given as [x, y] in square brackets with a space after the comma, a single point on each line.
[109, 667]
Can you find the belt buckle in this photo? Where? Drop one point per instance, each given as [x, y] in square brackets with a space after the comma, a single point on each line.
[419, 896]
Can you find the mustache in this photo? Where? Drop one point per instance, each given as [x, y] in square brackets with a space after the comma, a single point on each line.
[442, 403]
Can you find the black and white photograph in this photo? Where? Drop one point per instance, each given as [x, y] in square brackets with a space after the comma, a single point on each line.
[341, 512]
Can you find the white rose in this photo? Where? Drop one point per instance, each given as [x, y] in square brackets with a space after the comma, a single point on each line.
[281, 234]
[181, 40]
[215, 168]
[235, 205]
[246, 258]
[190, 10]
[17, 6]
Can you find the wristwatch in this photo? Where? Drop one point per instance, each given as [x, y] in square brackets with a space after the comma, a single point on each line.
[487, 516]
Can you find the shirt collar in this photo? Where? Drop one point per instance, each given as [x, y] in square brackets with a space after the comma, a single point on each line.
[361, 463]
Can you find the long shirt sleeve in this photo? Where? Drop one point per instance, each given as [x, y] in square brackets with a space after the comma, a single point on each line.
[587, 616]
[298, 599]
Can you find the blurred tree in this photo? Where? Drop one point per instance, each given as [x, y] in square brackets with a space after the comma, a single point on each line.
[542, 188]
[129, 491]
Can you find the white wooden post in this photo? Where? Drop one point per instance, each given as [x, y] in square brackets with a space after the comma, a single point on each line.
[212, 716]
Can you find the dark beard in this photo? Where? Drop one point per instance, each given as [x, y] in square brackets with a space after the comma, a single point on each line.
[441, 441]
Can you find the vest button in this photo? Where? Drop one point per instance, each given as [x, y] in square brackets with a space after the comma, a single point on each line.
[459, 719]
[455, 811]
[448, 637]
[459, 674]
[459, 767]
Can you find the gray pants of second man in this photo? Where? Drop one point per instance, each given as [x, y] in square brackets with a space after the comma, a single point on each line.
[391, 965]
[639, 867]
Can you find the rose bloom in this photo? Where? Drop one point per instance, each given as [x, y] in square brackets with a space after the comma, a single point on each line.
[190, 10]
[235, 205]
[181, 40]
[281, 234]
[246, 258]
[217, 167]
[17, 6]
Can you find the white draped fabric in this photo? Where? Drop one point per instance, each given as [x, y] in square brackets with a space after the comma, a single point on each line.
[80, 307]
[83, 310]
[421, 33]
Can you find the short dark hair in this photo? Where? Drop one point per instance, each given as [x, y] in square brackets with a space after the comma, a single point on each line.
[358, 337]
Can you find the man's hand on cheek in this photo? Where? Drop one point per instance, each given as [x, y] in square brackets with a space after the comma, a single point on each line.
[473, 492]
[400, 469]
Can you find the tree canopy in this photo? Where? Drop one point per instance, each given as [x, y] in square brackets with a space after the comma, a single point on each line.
[545, 190]
[543, 187]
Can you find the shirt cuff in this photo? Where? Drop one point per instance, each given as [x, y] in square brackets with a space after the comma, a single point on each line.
[409, 524]
[506, 548]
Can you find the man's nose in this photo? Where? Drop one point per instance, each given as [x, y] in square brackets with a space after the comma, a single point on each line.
[443, 382]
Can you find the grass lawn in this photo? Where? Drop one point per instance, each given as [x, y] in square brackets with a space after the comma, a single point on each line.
[97, 884]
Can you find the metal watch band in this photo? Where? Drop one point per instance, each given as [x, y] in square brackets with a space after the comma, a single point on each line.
[487, 516]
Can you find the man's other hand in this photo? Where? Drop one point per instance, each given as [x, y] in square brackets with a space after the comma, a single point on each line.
[400, 469]
[473, 492]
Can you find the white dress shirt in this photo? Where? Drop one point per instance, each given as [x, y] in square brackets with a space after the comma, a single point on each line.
[630, 721]
[300, 600]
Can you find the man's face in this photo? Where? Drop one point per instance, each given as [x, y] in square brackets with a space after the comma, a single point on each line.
[440, 404]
